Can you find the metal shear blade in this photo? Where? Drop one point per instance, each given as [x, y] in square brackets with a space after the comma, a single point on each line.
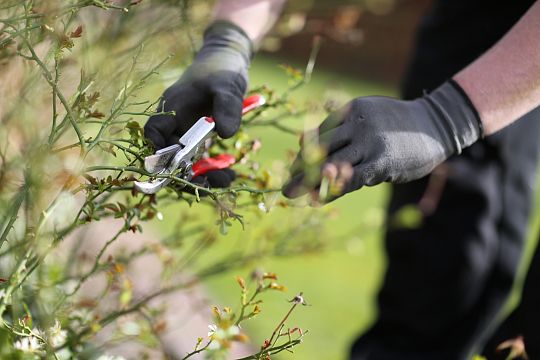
[179, 156]
[157, 162]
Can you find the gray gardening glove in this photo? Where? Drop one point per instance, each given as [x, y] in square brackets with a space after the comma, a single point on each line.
[214, 85]
[384, 139]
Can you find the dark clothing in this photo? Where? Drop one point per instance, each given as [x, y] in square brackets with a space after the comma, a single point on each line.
[524, 320]
[448, 279]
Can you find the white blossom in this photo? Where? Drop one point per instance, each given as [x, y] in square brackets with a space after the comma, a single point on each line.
[232, 331]
[110, 357]
[57, 336]
[262, 207]
[130, 328]
[223, 333]
[212, 329]
[30, 344]
[214, 345]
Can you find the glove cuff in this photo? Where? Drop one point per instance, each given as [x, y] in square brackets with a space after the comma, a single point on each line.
[460, 116]
[471, 105]
[226, 35]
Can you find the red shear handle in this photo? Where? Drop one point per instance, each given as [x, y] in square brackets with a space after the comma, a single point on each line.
[221, 161]
[250, 103]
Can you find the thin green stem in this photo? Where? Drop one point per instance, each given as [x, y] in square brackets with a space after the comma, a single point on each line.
[54, 97]
[49, 78]
[197, 351]
[248, 303]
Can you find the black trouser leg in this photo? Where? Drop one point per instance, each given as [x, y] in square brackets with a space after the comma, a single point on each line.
[448, 278]
[524, 321]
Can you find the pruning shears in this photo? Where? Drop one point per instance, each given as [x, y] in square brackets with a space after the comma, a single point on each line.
[184, 158]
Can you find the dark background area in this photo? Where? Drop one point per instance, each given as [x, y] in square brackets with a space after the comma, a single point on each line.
[367, 39]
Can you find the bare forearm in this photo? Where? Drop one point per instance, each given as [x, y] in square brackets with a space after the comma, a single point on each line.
[255, 17]
[504, 83]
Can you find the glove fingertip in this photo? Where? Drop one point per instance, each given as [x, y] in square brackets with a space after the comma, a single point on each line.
[227, 125]
[155, 137]
[228, 114]
[225, 131]
[201, 181]
[218, 178]
[230, 173]
[294, 187]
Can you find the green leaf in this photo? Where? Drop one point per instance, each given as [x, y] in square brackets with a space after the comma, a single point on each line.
[223, 227]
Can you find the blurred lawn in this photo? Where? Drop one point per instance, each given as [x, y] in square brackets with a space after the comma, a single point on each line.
[339, 283]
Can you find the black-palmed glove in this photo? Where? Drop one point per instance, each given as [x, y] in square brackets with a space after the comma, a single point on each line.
[214, 85]
[385, 139]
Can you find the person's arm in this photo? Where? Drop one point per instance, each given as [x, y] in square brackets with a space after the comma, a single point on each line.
[384, 139]
[504, 83]
[255, 17]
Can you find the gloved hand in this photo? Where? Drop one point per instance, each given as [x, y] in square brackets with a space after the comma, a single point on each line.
[215, 179]
[214, 85]
[385, 139]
